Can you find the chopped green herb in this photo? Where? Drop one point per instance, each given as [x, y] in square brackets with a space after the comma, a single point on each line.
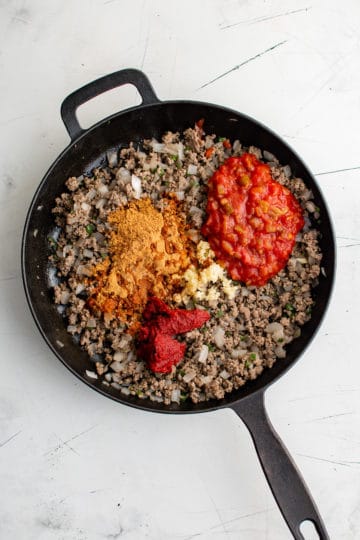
[174, 157]
[247, 364]
[183, 396]
[90, 228]
[317, 209]
[139, 393]
[252, 356]
[219, 314]
[243, 338]
[211, 347]
[290, 307]
[167, 183]
[203, 329]
[221, 139]
[104, 255]
[182, 372]
[188, 149]
[227, 333]
[194, 183]
[161, 172]
[52, 242]
[153, 171]
[280, 340]
[308, 310]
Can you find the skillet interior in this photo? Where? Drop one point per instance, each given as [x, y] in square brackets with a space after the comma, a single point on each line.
[88, 152]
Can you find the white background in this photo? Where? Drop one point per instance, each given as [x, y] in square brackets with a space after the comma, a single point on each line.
[75, 465]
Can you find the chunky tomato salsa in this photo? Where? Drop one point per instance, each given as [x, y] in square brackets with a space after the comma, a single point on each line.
[252, 220]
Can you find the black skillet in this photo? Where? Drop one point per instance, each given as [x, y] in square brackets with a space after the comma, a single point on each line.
[87, 150]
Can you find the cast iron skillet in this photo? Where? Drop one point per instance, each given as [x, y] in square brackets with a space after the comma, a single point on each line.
[87, 150]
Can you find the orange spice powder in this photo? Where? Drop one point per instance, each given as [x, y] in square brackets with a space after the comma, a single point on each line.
[148, 254]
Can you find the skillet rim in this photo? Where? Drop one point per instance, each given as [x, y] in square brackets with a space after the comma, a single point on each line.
[144, 404]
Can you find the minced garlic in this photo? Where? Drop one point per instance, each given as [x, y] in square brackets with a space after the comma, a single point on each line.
[198, 281]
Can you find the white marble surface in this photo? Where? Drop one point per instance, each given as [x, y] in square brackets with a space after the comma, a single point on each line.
[75, 465]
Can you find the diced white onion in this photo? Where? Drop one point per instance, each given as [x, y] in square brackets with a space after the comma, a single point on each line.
[100, 203]
[280, 352]
[195, 210]
[85, 206]
[156, 146]
[181, 151]
[91, 194]
[72, 329]
[123, 174]
[125, 390]
[136, 185]
[103, 189]
[79, 288]
[119, 356]
[237, 146]
[112, 158]
[219, 336]
[116, 366]
[269, 156]
[175, 395]
[224, 374]
[91, 323]
[88, 253]
[203, 354]
[64, 298]
[180, 195]
[99, 237]
[287, 171]
[59, 343]
[158, 399]
[91, 374]
[274, 327]
[206, 379]
[238, 353]
[192, 169]
[83, 270]
[35, 233]
[189, 376]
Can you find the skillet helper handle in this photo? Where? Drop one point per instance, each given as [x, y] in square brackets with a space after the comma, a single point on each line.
[285, 481]
[99, 86]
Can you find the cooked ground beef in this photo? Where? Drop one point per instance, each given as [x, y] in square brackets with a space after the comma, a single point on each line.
[243, 336]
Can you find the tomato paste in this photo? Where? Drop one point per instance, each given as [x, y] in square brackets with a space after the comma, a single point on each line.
[156, 342]
[252, 220]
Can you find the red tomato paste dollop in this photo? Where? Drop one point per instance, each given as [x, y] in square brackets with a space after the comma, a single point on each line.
[252, 220]
[156, 343]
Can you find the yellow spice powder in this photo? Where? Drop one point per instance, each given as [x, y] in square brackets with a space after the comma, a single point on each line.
[148, 253]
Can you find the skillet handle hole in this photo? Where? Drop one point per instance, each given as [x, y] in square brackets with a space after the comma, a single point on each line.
[308, 530]
[107, 103]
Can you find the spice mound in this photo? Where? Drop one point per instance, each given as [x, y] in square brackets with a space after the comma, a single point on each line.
[252, 220]
[156, 343]
[148, 253]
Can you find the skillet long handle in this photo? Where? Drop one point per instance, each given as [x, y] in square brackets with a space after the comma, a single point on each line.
[285, 481]
[99, 86]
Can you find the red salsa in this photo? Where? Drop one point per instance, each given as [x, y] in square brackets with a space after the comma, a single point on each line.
[156, 342]
[252, 220]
